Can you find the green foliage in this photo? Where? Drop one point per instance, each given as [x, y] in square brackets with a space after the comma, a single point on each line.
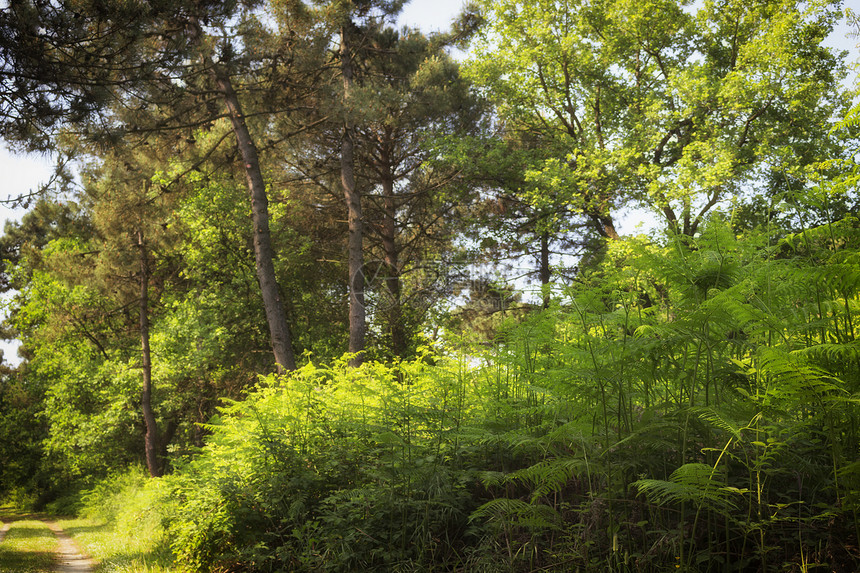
[673, 350]
[218, 273]
[28, 547]
[332, 469]
[689, 400]
[673, 107]
[121, 524]
[686, 400]
[23, 472]
[692, 402]
[691, 482]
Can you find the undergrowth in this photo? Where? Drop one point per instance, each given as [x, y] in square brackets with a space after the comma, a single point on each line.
[120, 525]
[691, 406]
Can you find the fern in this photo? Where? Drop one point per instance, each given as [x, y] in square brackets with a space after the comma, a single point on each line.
[492, 479]
[520, 513]
[690, 483]
[795, 380]
[649, 437]
[719, 421]
[549, 476]
[846, 352]
[851, 119]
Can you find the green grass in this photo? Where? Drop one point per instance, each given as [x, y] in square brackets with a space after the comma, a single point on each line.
[27, 548]
[118, 550]
[136, 547]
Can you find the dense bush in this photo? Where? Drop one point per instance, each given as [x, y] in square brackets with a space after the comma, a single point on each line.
[336, 469]
[691, 405]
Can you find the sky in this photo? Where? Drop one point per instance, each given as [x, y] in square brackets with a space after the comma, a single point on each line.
[19, 174]
[430, 15]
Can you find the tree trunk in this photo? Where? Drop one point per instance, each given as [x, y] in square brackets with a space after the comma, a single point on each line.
[392, 262]
[153, 464]
[544, 268]
[603, 224]
[355, 248]
[279, 330]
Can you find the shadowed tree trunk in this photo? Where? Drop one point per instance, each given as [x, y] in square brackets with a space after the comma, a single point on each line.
[392, 262]
[279, 330]
[355, 254]
[544, 268]
[153, 464]
[603, 224]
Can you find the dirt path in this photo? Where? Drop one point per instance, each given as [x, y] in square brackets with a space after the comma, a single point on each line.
[70, 559]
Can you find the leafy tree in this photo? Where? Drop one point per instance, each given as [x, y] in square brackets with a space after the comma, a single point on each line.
[61, 61]
[23, 240]
[655, 104]
[122, 261]
[80, 348]
[393, 93]
[509, 225]
[165, 81]
[355, 22]
[130, 217]
[415, 94]
[22, 433]
[264, 255]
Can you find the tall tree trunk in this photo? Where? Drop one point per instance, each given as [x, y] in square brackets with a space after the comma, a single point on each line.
[392, 262]
[544, 268]
[603, 224]
[153, 464]
[355, 254]
[279, 330]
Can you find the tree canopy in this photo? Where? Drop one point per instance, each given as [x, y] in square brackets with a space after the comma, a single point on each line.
[660, 105]
[274, 273]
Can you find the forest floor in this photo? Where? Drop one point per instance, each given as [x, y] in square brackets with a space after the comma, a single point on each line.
[31, 543]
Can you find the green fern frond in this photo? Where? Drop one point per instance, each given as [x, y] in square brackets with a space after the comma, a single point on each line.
[851, 119]
[689, 483]
[855, 399]
[549, 476]
[696, 474]
[491, 478]
[662, 491]
[568, 432]
[850, 471]
[833, 352]
[794, 377]
[715, 419]
[520, 513]
[843, 276]
[649, 437]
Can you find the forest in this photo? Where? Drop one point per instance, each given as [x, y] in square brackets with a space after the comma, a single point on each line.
[311, 291]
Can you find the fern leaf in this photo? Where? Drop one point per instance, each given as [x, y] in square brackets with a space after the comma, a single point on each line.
[492, 479]
[520, 513]
[715, 419]
[689, 483]
[549, 476]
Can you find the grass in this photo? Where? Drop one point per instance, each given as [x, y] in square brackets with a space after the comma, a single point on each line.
[28, 547]
[119, 524]
[118, 550]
